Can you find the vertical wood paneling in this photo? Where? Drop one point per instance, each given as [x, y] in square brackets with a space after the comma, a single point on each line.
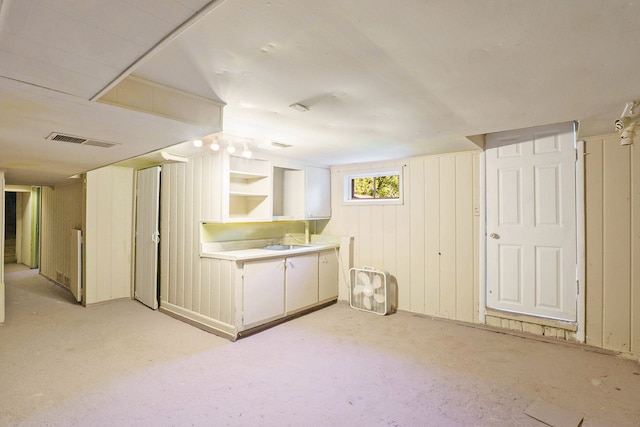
[190, 232]
[417, 242]
[204, 269]
[366, 236]
[403, 233]
[430, 186]
[180, 238]
[390, 249]
[448, 233]
[376, 232]
[465, 254]
[173, 259]
[437, 214]
[226, 291]
[594, 236]
[216, 277]
[195, 244]
[612, 240]
[103, 237]
[122, 218]
[61, 211]
[475, 184]
[635, 248]
[617, 255]
[354, 229]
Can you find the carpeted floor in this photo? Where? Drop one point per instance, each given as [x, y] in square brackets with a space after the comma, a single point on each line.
[122, 364]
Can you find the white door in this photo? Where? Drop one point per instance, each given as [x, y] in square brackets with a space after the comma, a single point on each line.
[531, 221]
[147, 236]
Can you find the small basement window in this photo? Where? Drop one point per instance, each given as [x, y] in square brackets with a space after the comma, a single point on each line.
[374, 188]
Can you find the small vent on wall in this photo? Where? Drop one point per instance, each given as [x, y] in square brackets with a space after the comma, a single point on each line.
[60, 137]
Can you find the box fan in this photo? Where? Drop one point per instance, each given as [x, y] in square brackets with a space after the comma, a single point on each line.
[369, 290]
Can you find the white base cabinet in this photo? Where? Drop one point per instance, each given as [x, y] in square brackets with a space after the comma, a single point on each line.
[327, 276]
[262, 291]
[301, 282]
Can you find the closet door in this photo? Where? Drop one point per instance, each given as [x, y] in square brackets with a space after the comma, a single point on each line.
[147, 236]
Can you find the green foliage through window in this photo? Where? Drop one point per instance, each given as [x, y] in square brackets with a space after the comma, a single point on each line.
[375, 187]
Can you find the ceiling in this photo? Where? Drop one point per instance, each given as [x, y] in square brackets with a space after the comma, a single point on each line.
[381, 80]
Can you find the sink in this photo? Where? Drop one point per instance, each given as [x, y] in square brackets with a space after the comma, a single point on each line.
[284, 247]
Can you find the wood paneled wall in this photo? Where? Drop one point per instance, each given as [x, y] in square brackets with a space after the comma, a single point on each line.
[186, 280]
[108, 234]
[429, 244]
[612, 244]
[61, 210]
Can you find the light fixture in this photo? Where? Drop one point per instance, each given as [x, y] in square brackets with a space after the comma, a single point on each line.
[299, 107]
[215, 146]
[197, 143]
[246, 153]
[231, 148]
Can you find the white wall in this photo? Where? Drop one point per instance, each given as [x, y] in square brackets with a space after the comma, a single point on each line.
[430, 243]
[613, 244]
[61, 210]
[108, 234]
[24, 219]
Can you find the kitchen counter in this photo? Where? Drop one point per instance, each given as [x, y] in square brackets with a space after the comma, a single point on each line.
[262, 253]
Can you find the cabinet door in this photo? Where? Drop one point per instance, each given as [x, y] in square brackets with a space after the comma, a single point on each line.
[328, 276]
[263, 291]
[301, 282]
[318, 193]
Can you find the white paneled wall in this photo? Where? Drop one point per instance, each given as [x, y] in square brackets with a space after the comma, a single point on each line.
[61, 211]
[429, 243]
[186, 280]
[613, 244]
[108, 234]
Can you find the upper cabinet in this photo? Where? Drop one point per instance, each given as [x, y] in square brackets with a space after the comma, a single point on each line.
[246, 194]
[317, 193]
[237, 189]
[301, 193]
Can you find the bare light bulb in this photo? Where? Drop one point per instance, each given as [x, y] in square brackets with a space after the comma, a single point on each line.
[231, 149]
[197, 143]
[215, 146]
[246, 153]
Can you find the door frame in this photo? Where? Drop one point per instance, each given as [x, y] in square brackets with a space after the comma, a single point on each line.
[580, 241]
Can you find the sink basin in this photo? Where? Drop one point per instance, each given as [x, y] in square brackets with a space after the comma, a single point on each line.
[283, 247]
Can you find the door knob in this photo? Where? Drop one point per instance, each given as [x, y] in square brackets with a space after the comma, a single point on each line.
[494, 236]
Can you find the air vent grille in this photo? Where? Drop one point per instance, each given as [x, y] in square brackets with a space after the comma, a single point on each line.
[67, 138]
[60, 137]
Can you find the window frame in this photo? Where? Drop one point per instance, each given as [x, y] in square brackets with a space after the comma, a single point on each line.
[348, 183]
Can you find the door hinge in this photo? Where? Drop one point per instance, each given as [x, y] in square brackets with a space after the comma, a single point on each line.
[577, 287]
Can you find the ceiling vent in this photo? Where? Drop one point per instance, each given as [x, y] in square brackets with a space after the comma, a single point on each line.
[273, 145]
[60, 137]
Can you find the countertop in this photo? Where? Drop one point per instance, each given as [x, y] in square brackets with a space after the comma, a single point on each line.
[261, 253]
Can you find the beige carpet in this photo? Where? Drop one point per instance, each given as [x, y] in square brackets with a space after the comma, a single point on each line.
[122, 364]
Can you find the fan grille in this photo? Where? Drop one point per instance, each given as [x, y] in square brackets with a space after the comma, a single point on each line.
[369, 290]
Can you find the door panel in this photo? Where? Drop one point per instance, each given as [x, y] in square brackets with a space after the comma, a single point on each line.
[531, 221]
[147, 236]
[263, 291]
